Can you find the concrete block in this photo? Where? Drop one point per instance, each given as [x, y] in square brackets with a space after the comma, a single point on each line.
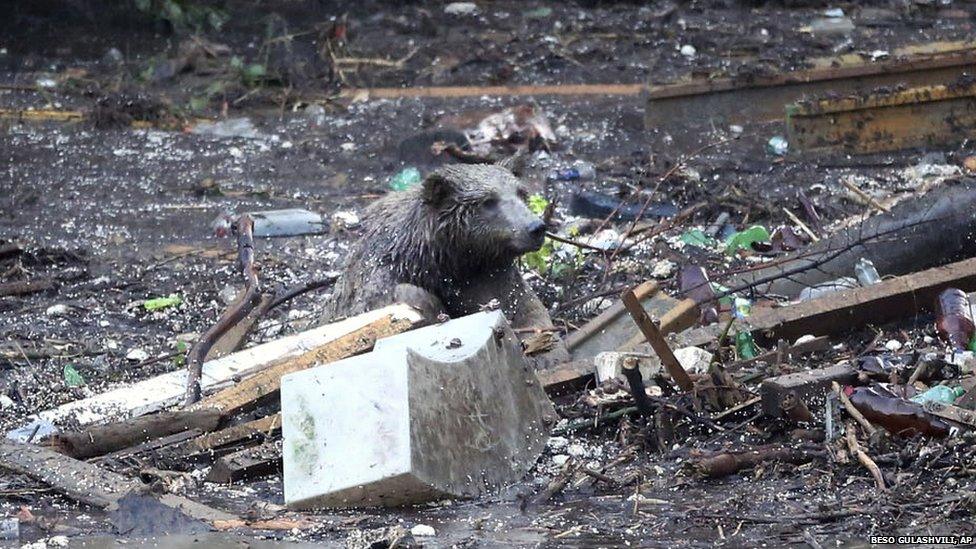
[807, 386]
[451, 410]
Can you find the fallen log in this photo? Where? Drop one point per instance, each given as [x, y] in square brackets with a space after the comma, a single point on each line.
[102, 439]
[87, 483]
[729, 463]
[919, 233]
[267, 382]
[164, 391]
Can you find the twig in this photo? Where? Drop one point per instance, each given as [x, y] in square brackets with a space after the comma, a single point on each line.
[585, 246]
[234, 314]
[849, 406]
[803, 226]
[864, 458]
[636, 382]
[868, 199]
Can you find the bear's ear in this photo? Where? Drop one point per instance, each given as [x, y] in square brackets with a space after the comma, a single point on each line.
[437, 189]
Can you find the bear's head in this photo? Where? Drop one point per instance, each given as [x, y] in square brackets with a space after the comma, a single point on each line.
[481, 209]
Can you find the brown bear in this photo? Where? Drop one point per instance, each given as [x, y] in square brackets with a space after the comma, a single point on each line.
[447, 245]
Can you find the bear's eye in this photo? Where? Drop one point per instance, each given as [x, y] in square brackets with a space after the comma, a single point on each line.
[522, 194]
[490, 202]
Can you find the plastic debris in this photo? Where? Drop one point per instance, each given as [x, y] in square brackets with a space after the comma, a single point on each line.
[405, 178]
[580, 171]
[423, 530]
[837, 285]
[269, 223]
[538, 13]
[698, 238]
[743, 240]
[778, 145]
[597, 205]
[461, 8]
[830, 25]
[688, 50]
[158, 303]
[71, 377]
[231, 127]
[897, 415]
[939, 393]
[865, 272]
[745, 346]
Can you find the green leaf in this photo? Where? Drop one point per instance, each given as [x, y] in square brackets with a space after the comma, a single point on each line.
[158, 303]
[71, 376]
[254, 71]
[538, 204]
[743, 240]
[698, 238]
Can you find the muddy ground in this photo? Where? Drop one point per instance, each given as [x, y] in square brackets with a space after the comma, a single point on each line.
[115, 214]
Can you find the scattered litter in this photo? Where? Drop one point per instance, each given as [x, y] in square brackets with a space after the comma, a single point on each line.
[777, 145]
[461, 8]
[423, 530]
[405, 178]
[158, 303]
[71, 376]
[272, 223]
[231, 127]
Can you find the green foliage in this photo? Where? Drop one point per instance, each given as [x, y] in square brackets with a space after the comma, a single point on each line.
[553, 257]
[743, 240]
[158, 303]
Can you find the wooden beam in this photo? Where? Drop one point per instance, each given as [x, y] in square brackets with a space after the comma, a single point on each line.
[210, 443]
[267, 382]
[248, 463]
[456, 92]
[653, 335]
[841, 312]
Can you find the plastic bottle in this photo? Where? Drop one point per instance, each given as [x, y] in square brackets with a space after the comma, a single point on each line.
[954, 319]
[865, 272]
[580, 171]
[939, 393]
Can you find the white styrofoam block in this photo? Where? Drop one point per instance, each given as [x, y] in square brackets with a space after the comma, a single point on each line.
[450, 410]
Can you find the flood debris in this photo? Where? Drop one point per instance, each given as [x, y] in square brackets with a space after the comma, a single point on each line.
[596, 274]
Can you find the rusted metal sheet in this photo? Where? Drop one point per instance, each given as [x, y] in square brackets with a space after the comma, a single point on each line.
[763, 98]
[928, 116]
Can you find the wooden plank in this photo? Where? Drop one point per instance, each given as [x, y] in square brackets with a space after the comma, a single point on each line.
[231, 436]
[928, 116]
[752, 98]
[456, 92]
[268, 381]
[163, 391]
[248, 463]
[653, 335]
[841, 312]
[682, 316]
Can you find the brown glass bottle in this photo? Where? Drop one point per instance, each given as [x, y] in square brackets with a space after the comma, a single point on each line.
[954, 319]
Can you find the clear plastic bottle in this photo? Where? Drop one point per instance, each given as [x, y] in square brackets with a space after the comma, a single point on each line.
[865, 272]
[954, 318]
